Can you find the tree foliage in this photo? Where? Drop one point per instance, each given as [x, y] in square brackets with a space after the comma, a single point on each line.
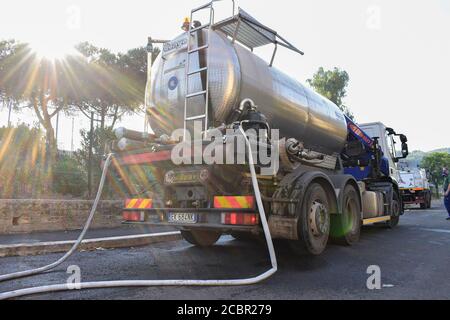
[99, 139]
[95, 80]
[25, 173]
[434, 163]
[113, 84]
[332, 84]
[22, 169]
[68, 177]
[35, 82]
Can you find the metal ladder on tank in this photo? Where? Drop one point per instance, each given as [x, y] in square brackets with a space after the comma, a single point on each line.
[189, 73]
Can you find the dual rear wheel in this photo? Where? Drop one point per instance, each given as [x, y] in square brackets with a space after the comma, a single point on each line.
[314, 221]
[317, 224]
[347, 226]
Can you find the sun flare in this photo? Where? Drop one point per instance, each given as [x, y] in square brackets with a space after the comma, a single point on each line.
[52, 50]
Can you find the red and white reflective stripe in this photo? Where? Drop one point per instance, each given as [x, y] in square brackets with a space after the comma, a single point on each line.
[138, 204]
[237, 202]
[136, 216]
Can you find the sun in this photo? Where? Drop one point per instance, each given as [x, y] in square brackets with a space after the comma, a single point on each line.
[52, 49]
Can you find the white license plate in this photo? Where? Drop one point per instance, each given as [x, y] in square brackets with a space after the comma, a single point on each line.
[190, 218]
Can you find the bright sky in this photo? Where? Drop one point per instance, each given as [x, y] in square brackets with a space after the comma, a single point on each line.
[396, 52]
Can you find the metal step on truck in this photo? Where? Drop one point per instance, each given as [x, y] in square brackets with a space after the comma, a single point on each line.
[321, 175]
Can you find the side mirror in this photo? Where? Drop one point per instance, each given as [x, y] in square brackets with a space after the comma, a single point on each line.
[404, 140]
[405, 150]
[390, 131]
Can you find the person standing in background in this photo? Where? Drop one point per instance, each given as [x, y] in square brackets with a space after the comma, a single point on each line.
[446, 191]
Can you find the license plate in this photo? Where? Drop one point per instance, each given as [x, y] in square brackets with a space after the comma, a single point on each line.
[190, 218]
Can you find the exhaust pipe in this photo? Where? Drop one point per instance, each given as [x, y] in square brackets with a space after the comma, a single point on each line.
[122, 133]
[125, 144]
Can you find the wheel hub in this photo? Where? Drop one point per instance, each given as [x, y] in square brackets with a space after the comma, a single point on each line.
[319, 219]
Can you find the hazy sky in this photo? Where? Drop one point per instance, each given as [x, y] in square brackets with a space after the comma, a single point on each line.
[397, 52]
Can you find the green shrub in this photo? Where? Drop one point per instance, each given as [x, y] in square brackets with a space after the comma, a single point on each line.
[23, 169]
[68, 177]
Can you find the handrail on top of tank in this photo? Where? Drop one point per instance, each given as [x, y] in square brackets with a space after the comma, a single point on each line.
[233, 1]
[269, 35]
[210, 5]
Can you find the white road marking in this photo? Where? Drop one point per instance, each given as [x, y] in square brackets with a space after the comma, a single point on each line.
[436, 243]
[436, 230]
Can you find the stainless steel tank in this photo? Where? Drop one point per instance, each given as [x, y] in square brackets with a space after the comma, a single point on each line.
[235, 74]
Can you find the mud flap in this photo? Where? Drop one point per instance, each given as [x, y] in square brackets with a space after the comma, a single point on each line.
[283, 227]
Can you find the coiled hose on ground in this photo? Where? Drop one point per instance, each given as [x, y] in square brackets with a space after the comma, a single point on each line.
[145, 283]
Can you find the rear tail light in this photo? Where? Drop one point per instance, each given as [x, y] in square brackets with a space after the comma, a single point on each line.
[240, 219]
[134, 216]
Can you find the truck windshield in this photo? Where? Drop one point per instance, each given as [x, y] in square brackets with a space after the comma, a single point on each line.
[407, 180]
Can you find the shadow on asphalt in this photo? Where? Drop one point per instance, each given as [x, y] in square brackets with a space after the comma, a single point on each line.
[254, 253]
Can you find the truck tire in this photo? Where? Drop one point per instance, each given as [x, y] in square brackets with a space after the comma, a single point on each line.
[201, 238]
[395, 215]
[346, 227]
[427, 203]
[314, 222]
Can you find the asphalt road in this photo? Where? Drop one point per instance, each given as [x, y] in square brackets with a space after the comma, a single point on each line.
[414, 259]
[125, 230]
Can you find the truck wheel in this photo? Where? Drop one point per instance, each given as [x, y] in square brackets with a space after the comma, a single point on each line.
[201, 238]
[395, 216]
[427, 203]
[346, 227]
[314, 222]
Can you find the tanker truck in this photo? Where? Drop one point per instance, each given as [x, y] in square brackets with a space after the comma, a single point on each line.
[329, 176]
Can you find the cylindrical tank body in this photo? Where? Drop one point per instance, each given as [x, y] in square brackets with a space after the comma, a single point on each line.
[235, 73]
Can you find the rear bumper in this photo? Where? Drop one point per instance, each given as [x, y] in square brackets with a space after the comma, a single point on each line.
[414, 202]
[412, 196]
[208, 218]
[202, 226]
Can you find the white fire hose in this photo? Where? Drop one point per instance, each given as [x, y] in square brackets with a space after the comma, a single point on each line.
[145, 283]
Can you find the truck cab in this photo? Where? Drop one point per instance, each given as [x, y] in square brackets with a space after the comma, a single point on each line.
[389, 144]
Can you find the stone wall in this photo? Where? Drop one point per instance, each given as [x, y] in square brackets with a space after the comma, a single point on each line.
[26, 216]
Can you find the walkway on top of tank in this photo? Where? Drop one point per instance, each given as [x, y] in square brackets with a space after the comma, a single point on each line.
[251, 33]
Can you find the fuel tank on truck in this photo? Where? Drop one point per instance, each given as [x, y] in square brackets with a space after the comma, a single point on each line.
[235, 73]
